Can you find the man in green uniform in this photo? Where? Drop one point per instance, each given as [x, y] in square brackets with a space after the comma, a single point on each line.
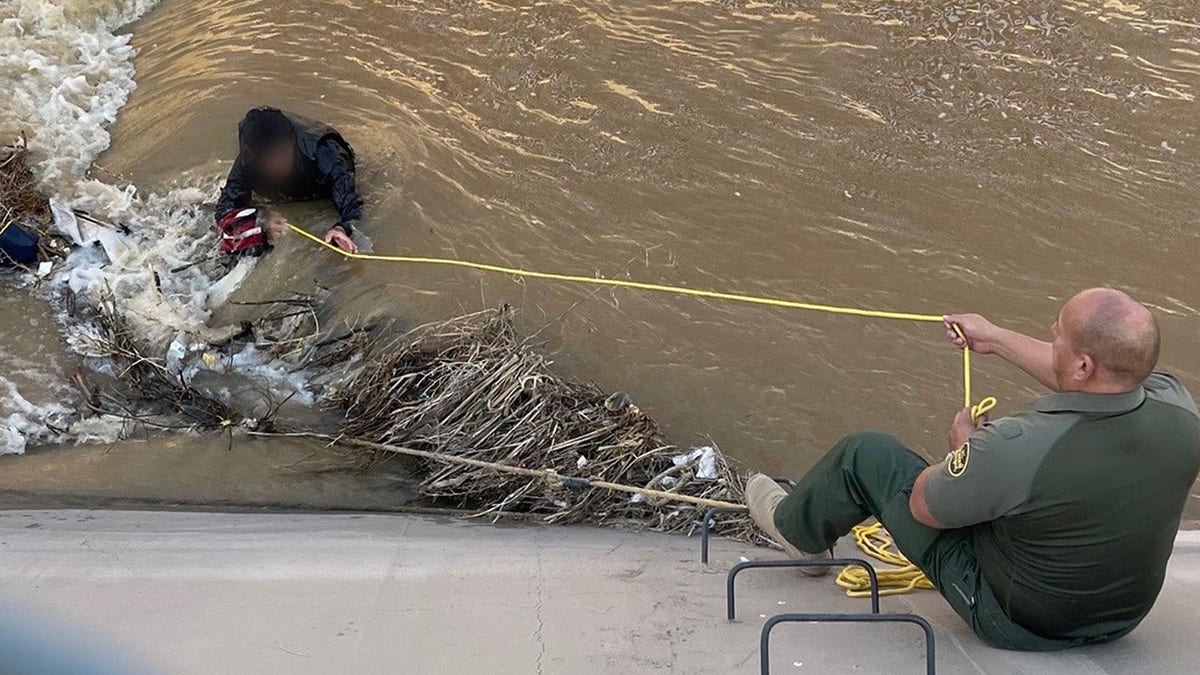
[1045, 530]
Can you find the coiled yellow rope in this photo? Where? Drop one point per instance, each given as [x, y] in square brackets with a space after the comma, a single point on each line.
[877, 543]
[871, 539]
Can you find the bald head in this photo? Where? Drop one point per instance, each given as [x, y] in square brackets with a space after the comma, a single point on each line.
[1118, 333]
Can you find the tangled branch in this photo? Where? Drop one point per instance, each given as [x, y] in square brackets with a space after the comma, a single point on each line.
[469, 387]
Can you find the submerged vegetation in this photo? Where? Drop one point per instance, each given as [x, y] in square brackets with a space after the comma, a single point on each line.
[467, 387]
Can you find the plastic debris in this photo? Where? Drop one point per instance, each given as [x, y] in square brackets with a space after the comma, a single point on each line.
[705, 458]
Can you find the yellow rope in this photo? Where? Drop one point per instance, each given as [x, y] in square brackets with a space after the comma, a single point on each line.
[877, 543]
[871, 539]
[623, 283]
[987, 403]
[662, 288]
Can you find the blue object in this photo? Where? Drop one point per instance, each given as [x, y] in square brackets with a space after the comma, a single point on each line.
[18, 246]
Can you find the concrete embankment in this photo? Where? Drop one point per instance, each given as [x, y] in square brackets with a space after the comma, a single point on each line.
[318, 593]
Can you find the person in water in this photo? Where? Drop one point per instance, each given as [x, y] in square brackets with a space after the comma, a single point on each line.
[1045, 530]
[285, 157]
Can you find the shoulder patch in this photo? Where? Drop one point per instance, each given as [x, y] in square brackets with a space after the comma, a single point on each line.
[956, 463]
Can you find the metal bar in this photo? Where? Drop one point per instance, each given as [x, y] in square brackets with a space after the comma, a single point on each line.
[704, 530]
[731, 578]
[764, 644]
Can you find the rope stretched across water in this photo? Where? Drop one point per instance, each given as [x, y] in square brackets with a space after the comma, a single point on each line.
[871, 539]
[658, 288]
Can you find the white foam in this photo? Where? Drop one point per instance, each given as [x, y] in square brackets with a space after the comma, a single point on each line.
[101, 429]
[24, 421]
[31, 393]
[72, 75]
[66, 75]
[69, 74]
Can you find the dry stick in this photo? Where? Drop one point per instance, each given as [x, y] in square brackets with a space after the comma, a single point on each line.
[531, 473]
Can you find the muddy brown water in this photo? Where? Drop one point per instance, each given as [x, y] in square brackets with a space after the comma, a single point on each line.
[917, 156]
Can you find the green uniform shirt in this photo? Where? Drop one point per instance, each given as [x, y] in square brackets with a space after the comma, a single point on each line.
[1075, 504]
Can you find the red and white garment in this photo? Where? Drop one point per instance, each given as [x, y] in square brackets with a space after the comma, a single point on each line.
[243, 232]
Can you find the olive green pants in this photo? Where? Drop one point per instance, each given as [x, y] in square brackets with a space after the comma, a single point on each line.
[872, 474]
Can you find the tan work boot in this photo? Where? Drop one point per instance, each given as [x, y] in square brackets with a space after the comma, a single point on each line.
[763, 495]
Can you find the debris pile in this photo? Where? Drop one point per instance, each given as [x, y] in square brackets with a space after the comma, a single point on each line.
[145, 391]
[469, 387]
[201, 386]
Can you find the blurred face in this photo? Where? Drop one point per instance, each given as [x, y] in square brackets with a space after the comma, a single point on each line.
[277, 162]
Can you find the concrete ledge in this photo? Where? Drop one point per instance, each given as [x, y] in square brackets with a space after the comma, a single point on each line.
[304, 593]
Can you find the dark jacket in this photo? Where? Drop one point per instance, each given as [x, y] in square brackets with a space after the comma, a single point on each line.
[324, 170]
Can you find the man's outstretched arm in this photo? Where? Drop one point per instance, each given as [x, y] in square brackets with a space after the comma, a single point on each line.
[337, 167]
[983, 337]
